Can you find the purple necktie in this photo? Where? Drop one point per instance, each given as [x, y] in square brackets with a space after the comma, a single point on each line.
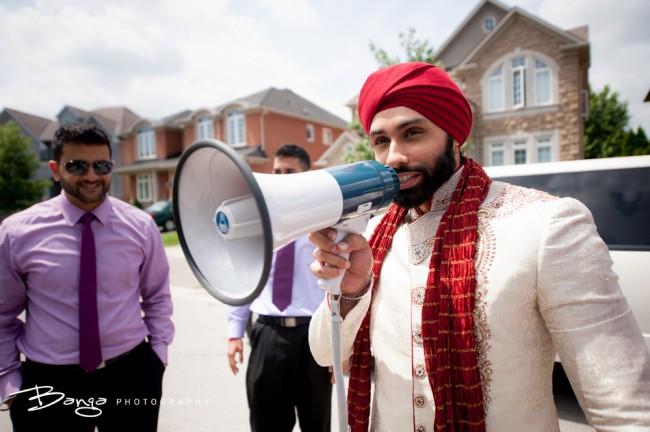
[90, 352]
[283, 276]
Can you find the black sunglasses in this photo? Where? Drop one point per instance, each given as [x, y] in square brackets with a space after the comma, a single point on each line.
[80, 167]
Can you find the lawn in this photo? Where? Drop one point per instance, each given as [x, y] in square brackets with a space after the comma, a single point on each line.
[170, 238]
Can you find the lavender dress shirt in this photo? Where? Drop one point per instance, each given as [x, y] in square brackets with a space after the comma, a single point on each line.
[39, 273]
[306, 296]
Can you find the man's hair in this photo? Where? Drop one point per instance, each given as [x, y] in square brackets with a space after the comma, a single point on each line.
[294, 151]
[78, 133]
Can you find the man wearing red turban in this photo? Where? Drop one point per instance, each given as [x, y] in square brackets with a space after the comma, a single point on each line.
[456, 304]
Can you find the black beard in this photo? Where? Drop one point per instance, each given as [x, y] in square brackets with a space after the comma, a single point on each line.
[75, 191]
[431, 179]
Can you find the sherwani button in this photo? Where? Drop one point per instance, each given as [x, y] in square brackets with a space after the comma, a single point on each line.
[418, 296]
[420, 371]
[419, 401]
[417, 337]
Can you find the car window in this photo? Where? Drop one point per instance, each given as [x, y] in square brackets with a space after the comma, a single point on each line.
[618, 199]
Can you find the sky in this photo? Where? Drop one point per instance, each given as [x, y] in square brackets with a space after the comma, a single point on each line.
[166, 56]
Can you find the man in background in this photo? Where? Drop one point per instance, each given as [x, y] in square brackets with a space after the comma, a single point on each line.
[282, 376]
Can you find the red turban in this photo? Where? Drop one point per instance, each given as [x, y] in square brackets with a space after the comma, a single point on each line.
[421, 87]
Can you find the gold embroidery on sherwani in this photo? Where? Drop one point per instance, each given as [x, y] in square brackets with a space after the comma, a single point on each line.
[513, 198]
[486, 248]
[509, 199]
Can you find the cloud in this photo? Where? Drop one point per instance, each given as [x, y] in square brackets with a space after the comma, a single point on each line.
[167, 56]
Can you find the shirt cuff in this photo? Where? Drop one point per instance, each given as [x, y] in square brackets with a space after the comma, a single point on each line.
[236, 329]
[161, 351]
[10, 383]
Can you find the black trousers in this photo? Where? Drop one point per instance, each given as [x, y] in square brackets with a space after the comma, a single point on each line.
[123, 396]
[282, 378]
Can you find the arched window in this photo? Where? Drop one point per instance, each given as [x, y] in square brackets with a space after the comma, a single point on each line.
[204, 128]
[519, 80]
[236, 128]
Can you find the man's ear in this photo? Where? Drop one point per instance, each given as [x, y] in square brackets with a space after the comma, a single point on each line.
[54, 169]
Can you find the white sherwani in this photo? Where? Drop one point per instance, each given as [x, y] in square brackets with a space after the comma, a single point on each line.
[544, 286]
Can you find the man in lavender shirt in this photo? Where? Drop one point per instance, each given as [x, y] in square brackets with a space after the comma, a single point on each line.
[282, 376]
[43, 272]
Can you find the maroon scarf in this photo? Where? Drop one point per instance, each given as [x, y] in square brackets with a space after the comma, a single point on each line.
[447, 320]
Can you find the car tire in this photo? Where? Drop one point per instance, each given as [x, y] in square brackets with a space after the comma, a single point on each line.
[170, 225]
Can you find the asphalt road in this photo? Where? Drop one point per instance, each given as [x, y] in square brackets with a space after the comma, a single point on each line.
[201, 394]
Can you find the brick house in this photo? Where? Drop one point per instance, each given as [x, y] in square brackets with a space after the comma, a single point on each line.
[527, 81]
[40, 132]
[255, 126]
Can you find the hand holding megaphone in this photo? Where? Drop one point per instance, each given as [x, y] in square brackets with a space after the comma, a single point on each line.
[349, 258]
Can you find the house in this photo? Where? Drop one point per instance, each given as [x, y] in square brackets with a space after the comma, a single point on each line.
[345, 143]
[527, 82]
[114, 121]
[255, 126]
[40, 131]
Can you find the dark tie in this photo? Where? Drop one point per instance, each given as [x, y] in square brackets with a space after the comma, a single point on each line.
[283, 276]
[90, 352]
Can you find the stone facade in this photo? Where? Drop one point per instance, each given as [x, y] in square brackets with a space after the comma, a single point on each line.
[563, 118]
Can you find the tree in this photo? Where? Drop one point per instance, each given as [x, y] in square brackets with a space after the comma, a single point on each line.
[636, 143]
[413, 50]
[362, 149]
[18, 165]
[606, 133]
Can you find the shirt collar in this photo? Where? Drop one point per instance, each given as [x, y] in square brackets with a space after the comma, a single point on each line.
[441, 197]
[72, 213]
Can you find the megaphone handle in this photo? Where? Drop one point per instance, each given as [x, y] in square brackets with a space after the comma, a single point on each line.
[333, 286]
[349, 226]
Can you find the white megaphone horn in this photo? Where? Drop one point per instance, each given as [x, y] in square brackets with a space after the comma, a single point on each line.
[229, 219]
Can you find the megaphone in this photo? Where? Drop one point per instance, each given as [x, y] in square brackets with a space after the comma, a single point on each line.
[229, 219]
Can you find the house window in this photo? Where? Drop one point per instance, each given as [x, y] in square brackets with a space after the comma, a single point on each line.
[205, 129]
[497, 154]
[236, 127]
[146, 143]
[542, 83]
[506, 83]
[495, 90]
[145, 187]
[521, 149]
[488, 24]
[327, 136]
[544, 148]
[520, 152]
[310, 133]
[518, 82]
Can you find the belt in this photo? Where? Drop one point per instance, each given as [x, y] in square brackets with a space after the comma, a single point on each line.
[102, 365]
[110, 361]
[283, 321]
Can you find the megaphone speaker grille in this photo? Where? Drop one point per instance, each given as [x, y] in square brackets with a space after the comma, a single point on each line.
[232, 270]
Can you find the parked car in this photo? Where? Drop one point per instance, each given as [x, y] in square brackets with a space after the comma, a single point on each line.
[161, 212]
[617, 192]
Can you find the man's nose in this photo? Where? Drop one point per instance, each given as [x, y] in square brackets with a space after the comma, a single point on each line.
[91, 175]
[396, 156]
